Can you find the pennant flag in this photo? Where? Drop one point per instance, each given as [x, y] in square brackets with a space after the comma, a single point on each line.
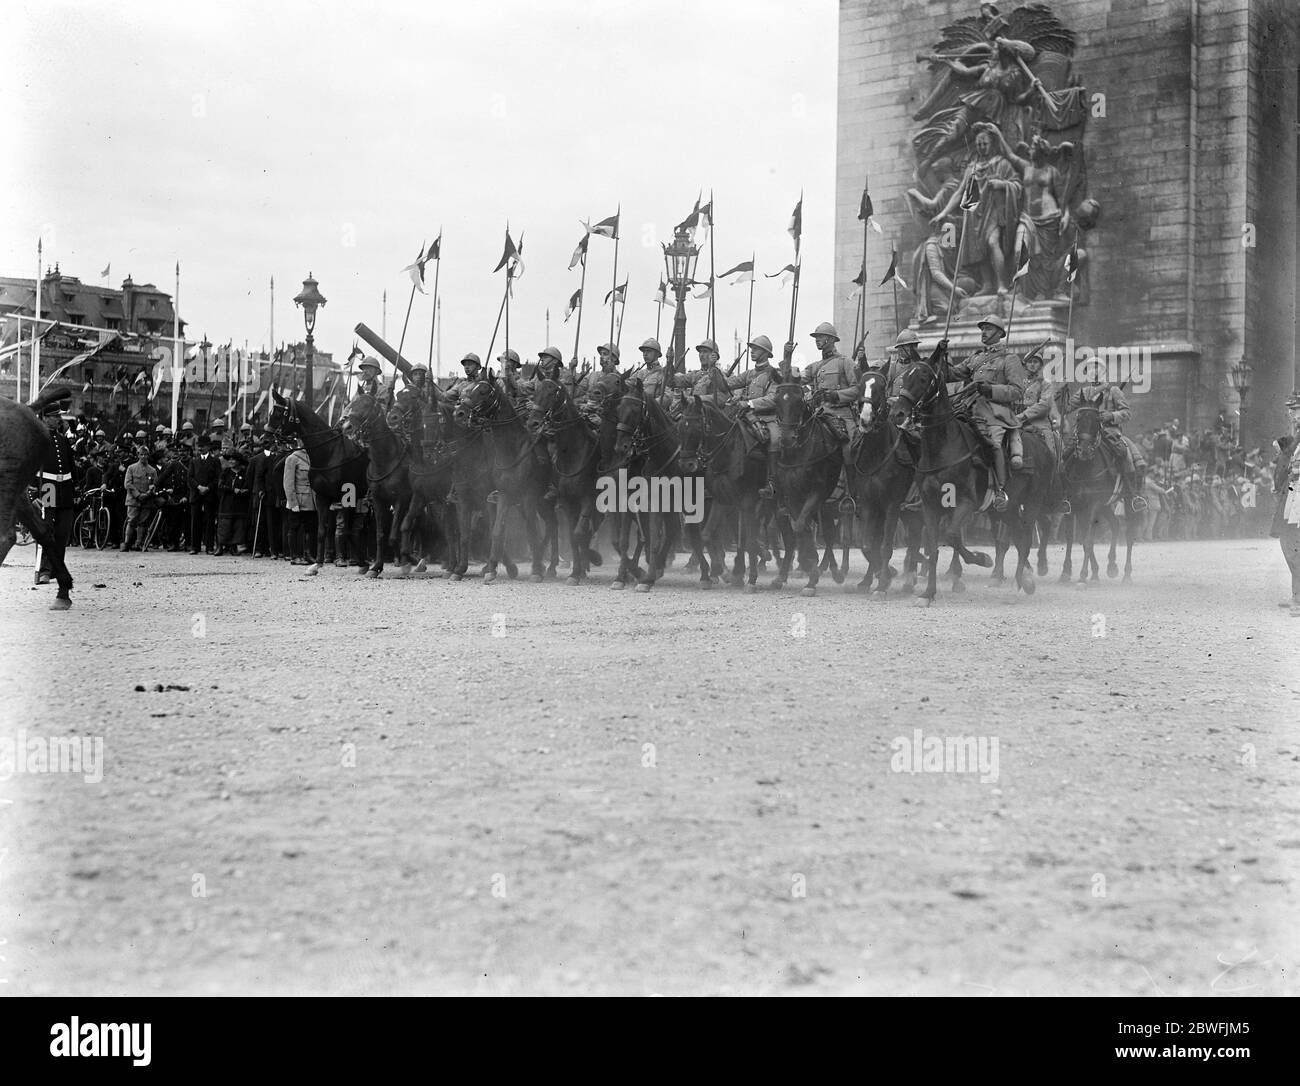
[1072, 263]
[970, 195]
[744, 273]
[866, 212]
[795, 229]
[704, 216]
[706, 292]
[893, 271]
[516, 268]
[435, 250]
[787, 275]
[574, 303]
[509, 256]
[692, 221]
[607, 228]
[580, 250]
[158, 371]
[859, 281]
[104, 273]
[1024, 264]
[618, 295]
[416, 270]
[662, 297]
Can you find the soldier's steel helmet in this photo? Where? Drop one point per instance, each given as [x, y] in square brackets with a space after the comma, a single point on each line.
[651, 344]
[826, 329]
[509, 356]
[186, 425]
[707, 345]
[993, 321]
[680, 380]
[370, 363]
[419, 367]
[906, 338]
[762, 343]
[160, 428]
[610, 348]
[552, 352]
[471, 359]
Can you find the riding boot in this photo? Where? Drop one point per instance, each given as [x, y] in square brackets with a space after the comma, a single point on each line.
[1017, 450]
[999, 480]
[768, 490]
[912, 503]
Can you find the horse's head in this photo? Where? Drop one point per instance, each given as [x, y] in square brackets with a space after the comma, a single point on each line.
[874, 408]
[478, 405]
[692, 427]
[1087, 431]
[792, 412]
[283, 418]
[361, 417]
[921, 383]
[631, 415]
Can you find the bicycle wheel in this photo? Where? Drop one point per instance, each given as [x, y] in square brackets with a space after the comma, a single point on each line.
[82, 532]
[103, 521]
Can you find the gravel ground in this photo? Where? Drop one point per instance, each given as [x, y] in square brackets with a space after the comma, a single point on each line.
[347, 786]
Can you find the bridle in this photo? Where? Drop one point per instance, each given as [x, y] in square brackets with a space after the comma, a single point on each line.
[701, 453]
[640, 443]
[803, 431]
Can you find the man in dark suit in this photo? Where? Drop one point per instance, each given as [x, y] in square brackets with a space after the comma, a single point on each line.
[205, 474]
[258, 510]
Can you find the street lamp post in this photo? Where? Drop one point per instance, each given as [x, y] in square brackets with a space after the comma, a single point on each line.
[310, 299]
[679, 262]
[1240, 374]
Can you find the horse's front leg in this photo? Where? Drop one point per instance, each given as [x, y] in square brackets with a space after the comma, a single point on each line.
[528, 508]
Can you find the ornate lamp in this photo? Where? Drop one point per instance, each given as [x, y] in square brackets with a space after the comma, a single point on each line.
[679, 263]
[311, 299]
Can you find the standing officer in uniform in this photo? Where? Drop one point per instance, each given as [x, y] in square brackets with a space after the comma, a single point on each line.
[650, 373]
[997, 379]
[57, 479]
[1111, 402]
[833, 380]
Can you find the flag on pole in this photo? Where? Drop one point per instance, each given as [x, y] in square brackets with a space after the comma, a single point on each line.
[107, 267]
[1072, 263]
[607, 228]
[516, 270]
[574, 303]
[867, 213]
[704, 215]
[970, 194]
[510, 256]
[786, 274]
[859, 281]
[744, 273]
[706, 292]
[617, 294]
[1023, 269]
[435, 250]
[692, 221]
[893, 271]
[416, 270]
[795, 229]
[580, 250]
[662, 296]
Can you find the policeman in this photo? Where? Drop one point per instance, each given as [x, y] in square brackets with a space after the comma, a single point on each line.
[58, 479]
[1112, 404]
[833, 381]
[711, 380]
[997, 379]
[752, 391]
[651, 373]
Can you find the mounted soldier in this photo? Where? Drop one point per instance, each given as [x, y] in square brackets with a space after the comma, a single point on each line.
[1037, 412]
[512, 379]
[1113, 411]
[602, 386]
[711, 382]
[406, 416]
[997, 380]
[651, 373]
[832, 381]
[473, 367]
[370, 383]
[752, 392]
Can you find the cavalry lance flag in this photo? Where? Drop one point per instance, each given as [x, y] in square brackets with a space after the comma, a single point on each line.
[786, 274]
[580, 250]
[795, 229]
[867, 213]
[574, 302]
[744, 273]
[607, 228]
[892, 274]
[510, 255]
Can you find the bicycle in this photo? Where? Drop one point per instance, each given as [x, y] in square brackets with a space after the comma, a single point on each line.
[91, 526]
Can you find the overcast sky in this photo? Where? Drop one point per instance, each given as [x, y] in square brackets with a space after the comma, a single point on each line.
[250, 140]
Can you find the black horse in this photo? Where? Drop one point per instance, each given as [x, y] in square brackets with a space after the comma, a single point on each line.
[338, 471]
[1095, 485]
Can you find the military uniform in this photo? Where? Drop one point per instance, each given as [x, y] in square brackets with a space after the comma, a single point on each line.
[57, 480]
[1003, 370]
[712, 384]
[1112, 404]
[651, 378]
[836, 378]
[141, 481]
[756, 388]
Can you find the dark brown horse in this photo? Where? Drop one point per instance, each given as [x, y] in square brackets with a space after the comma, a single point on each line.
[387, 480]
[1094, 485]
[337, 475]
[574, 452]
[24, 446]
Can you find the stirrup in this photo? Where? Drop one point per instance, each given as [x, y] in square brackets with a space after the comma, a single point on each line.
[1137, 503]
[1000, 499]
[767, 490]
[1066, 507]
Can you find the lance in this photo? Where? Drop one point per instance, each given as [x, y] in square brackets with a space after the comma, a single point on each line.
[618, 218]
[1015, 284]
[622, 310]
[794, 297]
[505, 295]
[713, 320]
[1074, 274]
[893, 282]
[582, 286]
[659, 316]
[860, 314]
[409, 302]
[749, 320]
[956, 271]
[433, 325]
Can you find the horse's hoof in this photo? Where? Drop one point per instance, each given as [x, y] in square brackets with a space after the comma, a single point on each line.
[978, 558]
[809, 591]
[958, 585]
[60, 603]
[643, 588]
[572, 582]
[750, 589]
[1064, 578]
[997, 582]
[311, 570]
[1112, 571]
[372, 574]
[864, 585]
[489, 576]
[457, 576]
[839, 575]
[921, 601]
[881, 595]
[777, 586]
[617, 586]
[535, 578]
[704, 584]
[397, 573]
[1128, 579]
[422, 566]
[1042, 568]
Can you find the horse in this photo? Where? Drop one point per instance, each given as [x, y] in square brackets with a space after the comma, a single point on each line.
[24, 445]
[574, 450]
[647, 447]
[337, 471]
[470, 458]
[954, 482]
[807, 469]
[1094, 485]
[881, 473]
[520, 480]
[387, 479]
